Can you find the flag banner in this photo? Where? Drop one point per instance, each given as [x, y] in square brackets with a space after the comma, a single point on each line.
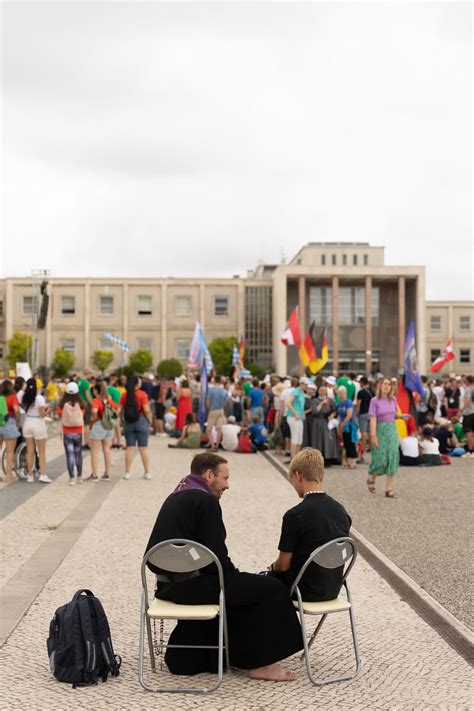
[235, 356]
[412, 374]
[321, 349]
[241, 351]
[291, 336]
[446, 354]
[199, 350]
[307, 351]
[115, 339]
[203, 396]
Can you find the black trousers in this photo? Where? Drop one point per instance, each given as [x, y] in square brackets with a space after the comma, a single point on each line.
[262, 623]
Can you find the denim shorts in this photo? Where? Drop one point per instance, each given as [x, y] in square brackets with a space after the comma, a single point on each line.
[364, 423]
[136, 433]
[10, 429]
[100, 433]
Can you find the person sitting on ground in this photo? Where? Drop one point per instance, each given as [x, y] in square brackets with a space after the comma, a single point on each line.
[429, 448]
[318, 519]
[230, 435]
[190, 437]
[170, 420]
[409, 449]
[262, 624]
[258, 434]
[245, 445]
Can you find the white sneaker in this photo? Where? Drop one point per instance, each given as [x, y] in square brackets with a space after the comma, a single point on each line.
[44, 479]
[80, 480]
[126, 476]
[72, 482]
[147, 475]
[30, 479]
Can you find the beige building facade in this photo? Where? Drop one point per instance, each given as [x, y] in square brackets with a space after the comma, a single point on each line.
[365, 306]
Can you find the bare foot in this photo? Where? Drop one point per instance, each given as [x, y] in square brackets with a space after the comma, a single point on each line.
[272, 672]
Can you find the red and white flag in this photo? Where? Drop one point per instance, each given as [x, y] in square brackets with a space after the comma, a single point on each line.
[444, 357]
[291, 336]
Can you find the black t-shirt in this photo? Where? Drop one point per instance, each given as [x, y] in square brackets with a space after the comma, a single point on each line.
[452, 397]
[443, 436]
[365, 396]
[318, 519]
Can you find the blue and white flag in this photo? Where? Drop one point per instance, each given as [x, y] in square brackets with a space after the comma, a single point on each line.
[412, 374]
[199, 350]
[235, 356]
[203, 396]
[115, 339]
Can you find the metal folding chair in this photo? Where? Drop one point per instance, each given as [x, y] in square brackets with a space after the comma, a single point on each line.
[336, 553]
[181, 556]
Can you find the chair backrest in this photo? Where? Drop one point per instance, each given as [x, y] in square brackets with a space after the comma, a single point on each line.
[180, 555]
[334, 554]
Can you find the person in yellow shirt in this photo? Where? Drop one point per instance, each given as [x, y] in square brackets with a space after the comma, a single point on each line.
[52, 396]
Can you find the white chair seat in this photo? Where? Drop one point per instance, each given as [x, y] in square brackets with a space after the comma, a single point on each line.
[170, 611]
[340, 604]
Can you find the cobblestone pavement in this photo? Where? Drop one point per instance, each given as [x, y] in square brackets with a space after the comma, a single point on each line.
[405, 664]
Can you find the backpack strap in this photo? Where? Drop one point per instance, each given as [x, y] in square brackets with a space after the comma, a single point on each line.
[78, 594]
[92, 647]
[104, 638]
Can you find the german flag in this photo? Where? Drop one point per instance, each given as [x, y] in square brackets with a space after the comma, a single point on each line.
[314, 352]
[307, 349]
[321, 349]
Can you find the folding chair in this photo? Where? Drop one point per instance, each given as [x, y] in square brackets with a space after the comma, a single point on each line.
[181, 556]
[336, 553]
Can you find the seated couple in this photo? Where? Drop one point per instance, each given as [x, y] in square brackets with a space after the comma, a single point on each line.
[262, 622]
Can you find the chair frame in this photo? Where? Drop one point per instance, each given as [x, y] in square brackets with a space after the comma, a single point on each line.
[145, 622]
[329, 555]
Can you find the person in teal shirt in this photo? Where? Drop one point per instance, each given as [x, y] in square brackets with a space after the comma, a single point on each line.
[295, 414]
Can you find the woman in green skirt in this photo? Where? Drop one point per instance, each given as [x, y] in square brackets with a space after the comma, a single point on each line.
[383, 437]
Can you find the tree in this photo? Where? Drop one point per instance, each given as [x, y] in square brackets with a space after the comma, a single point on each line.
[141, 360]
[19, 346]
[221, 354]
[169, 368]
[63, 362]
[256, 370]
[102, 359]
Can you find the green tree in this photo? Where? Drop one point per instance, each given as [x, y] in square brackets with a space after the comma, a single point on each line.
[19, 346]
[141, 360]
[63, 362]
[221, 354]
[124, 370]
[169, 368]
[102, 359]
[256, 370]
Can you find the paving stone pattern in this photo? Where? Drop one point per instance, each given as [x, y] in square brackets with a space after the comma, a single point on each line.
[405, 664]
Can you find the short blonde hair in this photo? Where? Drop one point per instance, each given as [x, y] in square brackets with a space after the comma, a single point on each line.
[309, 463]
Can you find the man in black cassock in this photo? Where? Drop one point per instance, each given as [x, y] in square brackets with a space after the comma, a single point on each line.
[262, 623]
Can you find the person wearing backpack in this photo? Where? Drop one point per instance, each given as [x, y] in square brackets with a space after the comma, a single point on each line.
[71, 412]
[9, 424]
[137, 420]
[104, 417]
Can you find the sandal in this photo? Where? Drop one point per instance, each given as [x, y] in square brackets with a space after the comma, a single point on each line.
[390, 495]
[371, 486]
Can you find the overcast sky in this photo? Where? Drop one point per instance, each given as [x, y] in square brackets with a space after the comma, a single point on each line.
[180, 139]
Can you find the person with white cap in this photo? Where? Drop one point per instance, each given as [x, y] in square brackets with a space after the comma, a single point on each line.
[330, 384]
[71, 411]
[230, 434]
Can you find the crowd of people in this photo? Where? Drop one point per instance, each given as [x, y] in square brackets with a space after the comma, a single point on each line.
[342, 417]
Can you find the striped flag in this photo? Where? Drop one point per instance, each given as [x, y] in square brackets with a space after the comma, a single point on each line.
[115, 339]
[199, 350]
[321, 349]
[446, 354]
[291, 336]
[235, 356]
[314, 351]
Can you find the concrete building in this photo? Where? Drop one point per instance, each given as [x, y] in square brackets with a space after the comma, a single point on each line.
[346, 287]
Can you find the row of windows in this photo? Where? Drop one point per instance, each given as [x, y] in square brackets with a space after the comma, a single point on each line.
[464, 323]
[183, 305]
[464, 355]
[351, 310]
[345, 260]
[182, 346]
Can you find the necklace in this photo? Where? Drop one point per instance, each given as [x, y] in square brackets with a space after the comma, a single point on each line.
[313, 492]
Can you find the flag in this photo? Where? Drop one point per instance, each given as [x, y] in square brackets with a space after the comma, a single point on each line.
[291, 336]
[115, 339]
[241, 351]
[321, 351]
[199, 350]
[203, 396]
[235, 356]
[308, 351]
[412, 375]
[446, 354]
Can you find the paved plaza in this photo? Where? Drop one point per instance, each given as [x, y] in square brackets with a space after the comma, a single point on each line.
[56, 539]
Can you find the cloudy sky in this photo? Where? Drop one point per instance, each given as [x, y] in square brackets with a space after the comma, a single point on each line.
[180, 139]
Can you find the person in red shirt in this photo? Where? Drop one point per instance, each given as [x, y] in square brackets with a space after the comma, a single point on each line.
[10, 432]
[137, 419]
[100, 434]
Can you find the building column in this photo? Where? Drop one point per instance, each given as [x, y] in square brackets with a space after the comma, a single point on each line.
[401, 321]
[423, 359]
[164, 325]
[368, 324]
[279, 323]
[125, 313]
[202, 311]
[335, 325]
[302, 309]
[87, 324]
[49, 318]
[241, 309]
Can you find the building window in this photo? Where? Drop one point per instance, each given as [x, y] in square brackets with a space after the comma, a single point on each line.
[464, 323]
[29, 305]
[144, 344]
[183, 305]
[435, 323]
[344, 260]
[366, 260]
[375, 306]
[434, 353]
[323, 260]
[351, 305]
[221, 306]
[333, 260]
[258, 326]
[1, 309]
[69, 345]
[182, 348]
[106, 305]
[68, 305]
[144, 305]
[104, 344]
[320, 305]
[465, 355]
[354, 259]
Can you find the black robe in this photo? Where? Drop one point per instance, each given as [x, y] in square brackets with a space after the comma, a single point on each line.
[262, 622]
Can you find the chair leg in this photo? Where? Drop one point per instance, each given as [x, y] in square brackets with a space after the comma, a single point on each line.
[226, 643]
[150, 642]
[313, 636]
[330, 679]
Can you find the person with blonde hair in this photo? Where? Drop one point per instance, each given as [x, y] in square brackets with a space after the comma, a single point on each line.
[384, 436]
[318, 519]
